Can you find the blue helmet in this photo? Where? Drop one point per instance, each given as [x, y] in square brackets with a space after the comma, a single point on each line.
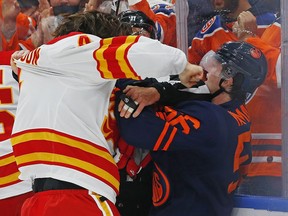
[243, 58]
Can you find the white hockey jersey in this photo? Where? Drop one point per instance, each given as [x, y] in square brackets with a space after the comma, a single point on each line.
[62, 125]
[10, 184]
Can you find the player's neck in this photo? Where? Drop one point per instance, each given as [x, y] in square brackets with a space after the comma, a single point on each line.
[221, 98]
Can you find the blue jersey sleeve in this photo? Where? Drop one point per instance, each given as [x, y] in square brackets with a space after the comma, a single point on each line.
[176, 130]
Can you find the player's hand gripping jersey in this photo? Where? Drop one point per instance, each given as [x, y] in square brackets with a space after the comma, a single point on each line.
[197, 145]
[10, 184]
[69, 83]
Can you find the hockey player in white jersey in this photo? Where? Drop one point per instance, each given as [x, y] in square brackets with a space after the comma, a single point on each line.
[64, 133]
[13, 191]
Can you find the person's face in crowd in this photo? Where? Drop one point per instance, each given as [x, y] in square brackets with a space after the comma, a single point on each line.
[218, 4]
[231, 5]
[55, 3]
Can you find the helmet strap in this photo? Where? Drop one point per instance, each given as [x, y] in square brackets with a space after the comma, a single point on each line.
[117, 7]
[220, 90]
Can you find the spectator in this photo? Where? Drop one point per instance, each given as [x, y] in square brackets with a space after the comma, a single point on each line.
[9, 11]
[266, 5]
[218, 29]
[218, 4]
[264, 176]
[17, 27]
[199, 13]
[28, 7]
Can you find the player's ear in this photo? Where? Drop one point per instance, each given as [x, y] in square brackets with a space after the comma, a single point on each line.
[227, 84]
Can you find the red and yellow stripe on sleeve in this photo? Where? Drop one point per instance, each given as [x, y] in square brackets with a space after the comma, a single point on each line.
[111, 57]
[8, 170]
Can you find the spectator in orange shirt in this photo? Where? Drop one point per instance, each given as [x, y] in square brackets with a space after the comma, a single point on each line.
[17, 22]
[218, 29]
[9, 10]
[265, 172]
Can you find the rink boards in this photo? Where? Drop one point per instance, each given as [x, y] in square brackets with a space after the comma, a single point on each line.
[260, 206]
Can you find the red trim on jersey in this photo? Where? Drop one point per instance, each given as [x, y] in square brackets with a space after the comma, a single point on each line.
[112, 60]
[5, 57]
[8, 169]
[46, 146]
[8, 172]
[54, 40]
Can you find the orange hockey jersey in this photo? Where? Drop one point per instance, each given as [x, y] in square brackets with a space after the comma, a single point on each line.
[265, 110]
[216, 32]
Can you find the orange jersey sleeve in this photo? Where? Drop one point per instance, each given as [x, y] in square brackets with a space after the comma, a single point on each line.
[272, 35]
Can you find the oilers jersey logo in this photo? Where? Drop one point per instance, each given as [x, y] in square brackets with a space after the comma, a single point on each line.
[161, 187]
[163, 9]
[255, 53]
[208, 25]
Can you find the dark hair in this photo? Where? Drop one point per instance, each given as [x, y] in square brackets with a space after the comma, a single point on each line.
[97, 23]
[236, 90]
